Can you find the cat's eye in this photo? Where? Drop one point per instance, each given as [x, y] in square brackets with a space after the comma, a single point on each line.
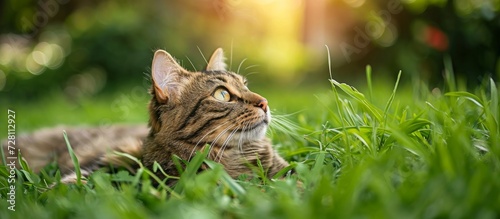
[222, 94]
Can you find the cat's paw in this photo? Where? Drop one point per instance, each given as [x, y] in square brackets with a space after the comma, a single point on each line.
[71, 178]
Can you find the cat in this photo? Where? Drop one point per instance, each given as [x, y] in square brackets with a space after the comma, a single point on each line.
[188, 111]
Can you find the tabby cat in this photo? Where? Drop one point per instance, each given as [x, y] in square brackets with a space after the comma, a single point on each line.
[187, 112]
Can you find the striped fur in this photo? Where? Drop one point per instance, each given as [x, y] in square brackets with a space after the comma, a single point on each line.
[186, 121]
[186, 114]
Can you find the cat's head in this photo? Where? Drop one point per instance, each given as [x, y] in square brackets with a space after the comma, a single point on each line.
[212, 106]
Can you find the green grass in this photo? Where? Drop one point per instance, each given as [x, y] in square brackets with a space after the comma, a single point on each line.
[387, 152]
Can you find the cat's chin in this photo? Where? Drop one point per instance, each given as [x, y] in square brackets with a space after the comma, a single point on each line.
[256, 133]
[253, 135]
[259, 130]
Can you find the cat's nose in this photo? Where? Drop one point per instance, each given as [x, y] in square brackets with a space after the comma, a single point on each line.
[262, 104]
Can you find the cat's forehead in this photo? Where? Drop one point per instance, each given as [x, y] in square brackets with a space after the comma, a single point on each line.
[226, 76]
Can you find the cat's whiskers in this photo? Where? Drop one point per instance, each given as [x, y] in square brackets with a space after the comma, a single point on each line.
[194, 67]
[210, 132]
[239, 66]
[225, 144]
[243, 132]
[282, 125]
[223, 132]
[216, 138]
[204, 136]
[240, 143]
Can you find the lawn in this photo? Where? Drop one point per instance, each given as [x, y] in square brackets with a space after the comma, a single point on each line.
[387, 150]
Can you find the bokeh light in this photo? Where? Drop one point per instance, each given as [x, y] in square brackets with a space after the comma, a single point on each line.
[278, 42]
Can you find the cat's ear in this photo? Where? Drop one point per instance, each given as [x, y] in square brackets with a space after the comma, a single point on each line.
[217, 61]
[167, 76]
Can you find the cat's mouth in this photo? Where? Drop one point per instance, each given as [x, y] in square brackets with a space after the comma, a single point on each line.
[246, 133]
[262, 120]
[258, 127]
[261, 124]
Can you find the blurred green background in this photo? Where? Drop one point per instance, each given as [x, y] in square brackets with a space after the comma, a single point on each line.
[74, 62]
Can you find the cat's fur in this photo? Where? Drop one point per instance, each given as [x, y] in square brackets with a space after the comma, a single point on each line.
[187, 112]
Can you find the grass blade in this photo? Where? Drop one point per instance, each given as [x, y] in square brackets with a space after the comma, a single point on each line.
[473, 98]
[360, 98]
[74, 159]
[143, 169]
[191, 169]
[494, 100]
[228, 181]
[449, 75]
[369, 81]
[391, 98]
